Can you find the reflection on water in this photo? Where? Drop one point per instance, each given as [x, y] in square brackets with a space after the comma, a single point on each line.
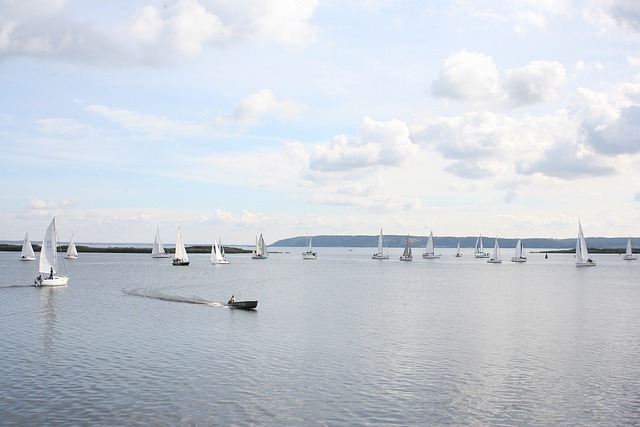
[340, 340]
[47, 312]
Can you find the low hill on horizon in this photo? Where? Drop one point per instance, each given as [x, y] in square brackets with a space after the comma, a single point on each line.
[398, 241]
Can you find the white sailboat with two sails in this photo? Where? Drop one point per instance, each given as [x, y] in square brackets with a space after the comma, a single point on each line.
[181, 257]
[479, 251]
[519, 255]
[72, 252]
[582, 252]
[309, 253]
[217, 252]
[48, 264]
[158, 250]
[380, 254]
[27, 253]
[260, 252]
[496, 257]
[429, 252]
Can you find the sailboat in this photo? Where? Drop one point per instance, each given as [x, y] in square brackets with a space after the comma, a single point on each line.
[27, 253]
[217, 253]
[629, 255]
[406, 255]
[458, 253]
[496, 258]
[380, 253]
[429, 252]
[582, 253]
[479, 251]
[309, 253]
[158, 250]
[519, 255]
[72, 252]
[180, 257]
[48, 264]
[260, 252]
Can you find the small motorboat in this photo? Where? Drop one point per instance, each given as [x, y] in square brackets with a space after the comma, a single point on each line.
[243, 305]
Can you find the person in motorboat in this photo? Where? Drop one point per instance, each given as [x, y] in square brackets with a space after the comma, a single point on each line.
[232, 299]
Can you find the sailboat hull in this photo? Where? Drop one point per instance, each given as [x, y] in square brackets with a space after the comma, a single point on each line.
[518, 259]
[630, 257]
[585, 264]
[56, 281]
[71, 257]
[309, 255]
[161, 256]
[430, 256]
[27, 258]
[379, 256]
[180, 263]
[482, 255]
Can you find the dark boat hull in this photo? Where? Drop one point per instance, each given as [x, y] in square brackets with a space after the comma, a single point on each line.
[243, 305]
[181, 262]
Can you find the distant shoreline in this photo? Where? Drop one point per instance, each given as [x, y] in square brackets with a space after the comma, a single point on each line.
[200, 249]
[196, 249]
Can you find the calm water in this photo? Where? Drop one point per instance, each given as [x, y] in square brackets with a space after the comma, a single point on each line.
[336, 341]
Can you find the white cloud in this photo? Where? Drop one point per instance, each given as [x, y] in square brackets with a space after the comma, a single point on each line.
[377, 144]
[252, 109]
[626, 13]
[151, 34]
[568, 161]
[610, 125]
[469, 77]
[539, 81]
[473, 79]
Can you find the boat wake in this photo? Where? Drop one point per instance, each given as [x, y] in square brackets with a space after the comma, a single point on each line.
[155, 294]
[16, 286]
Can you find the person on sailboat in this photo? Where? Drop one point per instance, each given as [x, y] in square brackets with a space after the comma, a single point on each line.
[232, 299]
[38, 280]
[51, 273]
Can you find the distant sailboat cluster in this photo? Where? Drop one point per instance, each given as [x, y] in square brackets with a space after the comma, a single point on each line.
[50, 252]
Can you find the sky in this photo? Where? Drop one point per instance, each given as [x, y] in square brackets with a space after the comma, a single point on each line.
[234, 118]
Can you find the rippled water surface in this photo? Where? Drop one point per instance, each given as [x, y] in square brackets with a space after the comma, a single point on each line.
[341, 340]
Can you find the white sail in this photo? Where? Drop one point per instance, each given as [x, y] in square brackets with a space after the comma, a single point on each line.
[519, 253]
[27, 253]
[582, 253]
[479, 251]
[629, 255]
[217, 253]
[430, 249]
[260, 252]
[496, 258]
[380, 253]
[48, 263]
[406, 254]
[48, 251]
[158, 250]
[180, 256]
[72, 252]
[309, 253]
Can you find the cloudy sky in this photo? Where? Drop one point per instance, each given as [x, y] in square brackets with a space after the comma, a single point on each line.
[232, 118]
